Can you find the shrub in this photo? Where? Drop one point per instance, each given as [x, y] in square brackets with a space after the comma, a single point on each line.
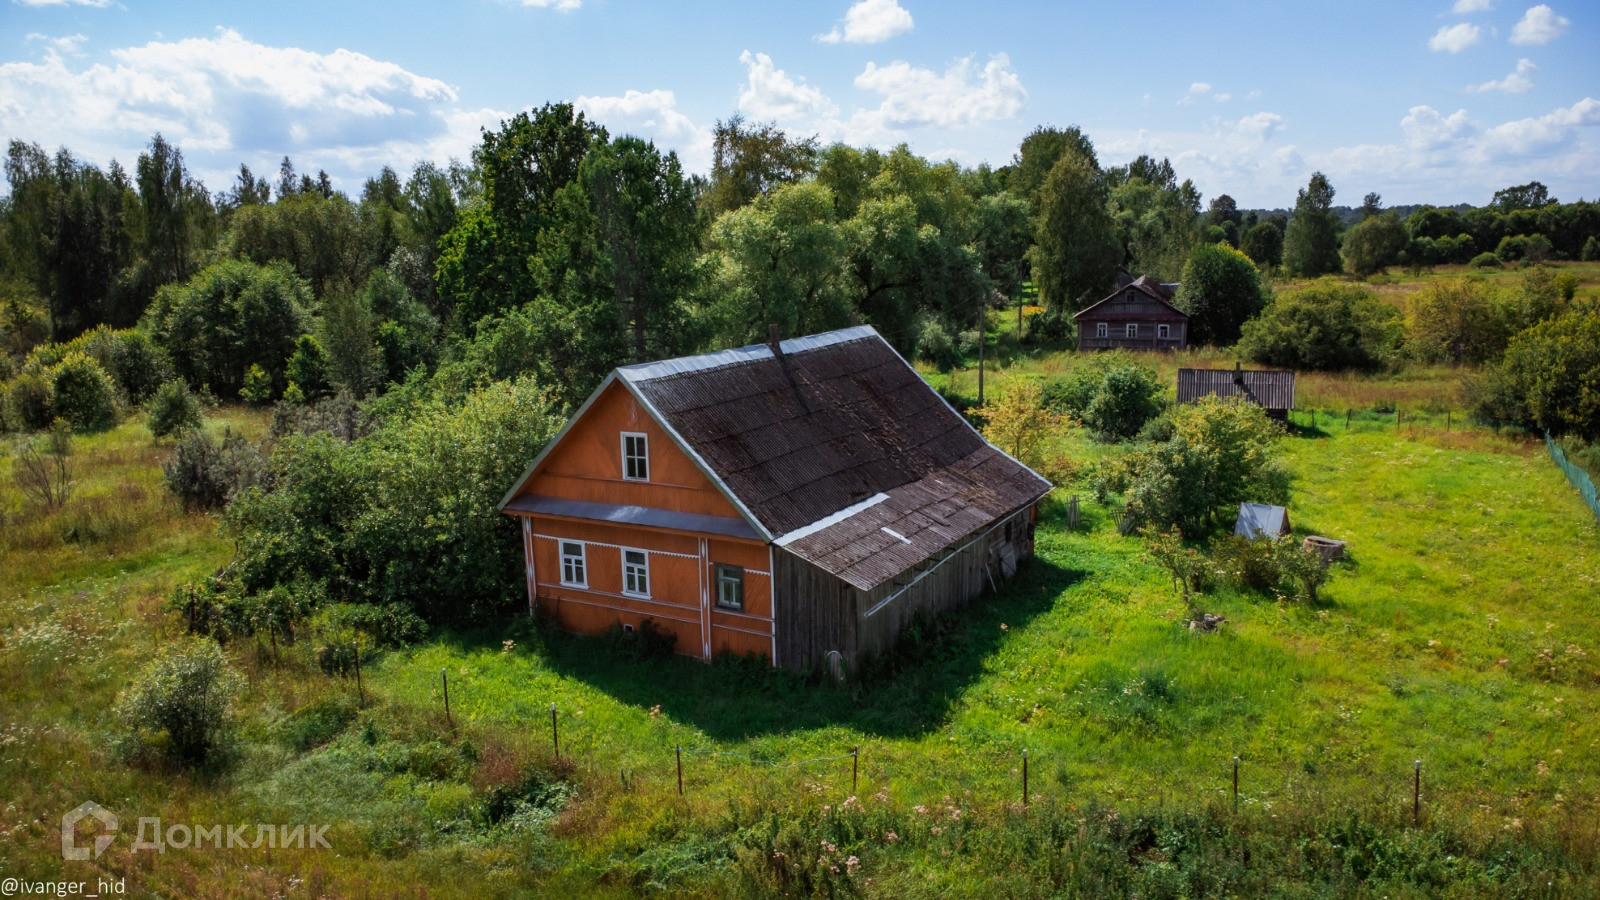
[1326, 325]
[28, 403]
[137, 365]
[1220, 455]
[1244, 563]
[1485, 261]
[82, 393]
[1591, 250]
[1457, 320]
[1071, 394]
[178, 707]
[205, 473]
[44, 475]
[173, 410]
[308, 368]
[1053, 326]
[1128, 396]
[1545, 381]
[257, 389]
[935, 345]
[648, 641]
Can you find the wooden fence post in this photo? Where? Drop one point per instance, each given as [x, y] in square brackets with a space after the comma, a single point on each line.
[680, 770]
[1024, 778]
[445, 677]
[1416, 791]
[361, 690]
[1236, 782]
[855, 767]
[555, 735]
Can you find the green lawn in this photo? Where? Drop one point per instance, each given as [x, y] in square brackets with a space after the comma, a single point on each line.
[1462, 633]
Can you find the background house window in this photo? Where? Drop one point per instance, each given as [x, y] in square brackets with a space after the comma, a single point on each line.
[730, 587]
[636, 573]
[1133, 329]
[635, 456]
[572, 564]
[1163, 331]
[1101, 329]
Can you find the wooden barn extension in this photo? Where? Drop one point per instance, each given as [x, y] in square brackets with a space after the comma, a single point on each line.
[787, 499]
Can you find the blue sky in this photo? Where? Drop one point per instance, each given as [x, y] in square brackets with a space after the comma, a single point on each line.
[1439, 102]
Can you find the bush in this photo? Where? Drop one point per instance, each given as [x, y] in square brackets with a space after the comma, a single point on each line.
[137, 365]
[1485, 261]
[648, 641]
[82, 393]
[257, 389]
[1244, 563]
[1545, 381]
[28, 403]
[1129, 395]
[1221, 289]
[173, 410]
[1053, 326]
[205, 473]
[178, 708]
[45, 476]
[1220, 455]
[935, 345]
[1325, 325]
[400, 515]
[1457, 320]
[1591, 250]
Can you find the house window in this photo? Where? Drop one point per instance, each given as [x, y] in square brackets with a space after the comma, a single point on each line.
[635, 456]
[1133, 329]
[1163, 331]
[730, 587]
[573, 572]
[636, 573]
[1101, 330]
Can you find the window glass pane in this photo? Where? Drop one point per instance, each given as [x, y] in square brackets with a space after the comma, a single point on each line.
[572, 563]
[635, 572]
[730, 587]
[636, 457]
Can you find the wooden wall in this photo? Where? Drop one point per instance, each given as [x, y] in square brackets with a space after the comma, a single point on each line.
[818, 612]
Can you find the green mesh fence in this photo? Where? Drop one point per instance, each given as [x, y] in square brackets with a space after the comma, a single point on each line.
[1579, 478]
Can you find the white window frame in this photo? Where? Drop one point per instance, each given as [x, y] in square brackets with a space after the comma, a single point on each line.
[574, 566]
[636, 575]
[1132, 330]
[643, 459]
[739, 571]
[1163, 331]
[1102, 330]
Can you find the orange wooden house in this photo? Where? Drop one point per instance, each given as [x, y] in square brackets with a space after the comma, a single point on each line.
[787, 499]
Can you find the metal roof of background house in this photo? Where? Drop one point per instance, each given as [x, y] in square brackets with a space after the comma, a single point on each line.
[1272, 390]
[1155, 290]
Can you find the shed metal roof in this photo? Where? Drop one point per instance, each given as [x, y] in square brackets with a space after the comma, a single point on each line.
[1268, 389]
[1260, 519]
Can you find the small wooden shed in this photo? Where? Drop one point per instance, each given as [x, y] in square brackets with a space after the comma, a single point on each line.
[1271, 390]
[787, 499]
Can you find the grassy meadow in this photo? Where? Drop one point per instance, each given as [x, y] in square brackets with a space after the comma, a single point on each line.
[1460, 632]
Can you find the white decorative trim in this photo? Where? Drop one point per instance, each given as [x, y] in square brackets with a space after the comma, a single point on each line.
[551, 537]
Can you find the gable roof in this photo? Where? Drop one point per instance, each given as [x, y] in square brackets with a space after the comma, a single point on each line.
[1265, 388]
[805, 441]
[1146, 285]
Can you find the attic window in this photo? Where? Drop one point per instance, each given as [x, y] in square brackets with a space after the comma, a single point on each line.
[635, 456]
[1133, 329]
[1101, 330]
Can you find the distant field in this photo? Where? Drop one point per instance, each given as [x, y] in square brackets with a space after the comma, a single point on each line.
[1463, 634]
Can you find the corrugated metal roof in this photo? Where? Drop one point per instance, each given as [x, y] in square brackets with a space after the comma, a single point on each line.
[836, 419]
[1268, 389]
[632, 515]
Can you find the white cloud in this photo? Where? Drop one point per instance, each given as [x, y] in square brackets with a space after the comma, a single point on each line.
[962, 96]
[97, 4]
[1543, 135]
[1425, 129]
[869, 22]
[63, 45]
[769, 92]
[653, 115]
[1539, 25]
[1455, 38]
[1223, 98]
[225, 98]
[1260, 127]
[1199, 87]
[559, 5]
[1463, 7]
[1518, 82]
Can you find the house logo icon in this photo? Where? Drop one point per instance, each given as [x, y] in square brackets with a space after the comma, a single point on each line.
[69, 831]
